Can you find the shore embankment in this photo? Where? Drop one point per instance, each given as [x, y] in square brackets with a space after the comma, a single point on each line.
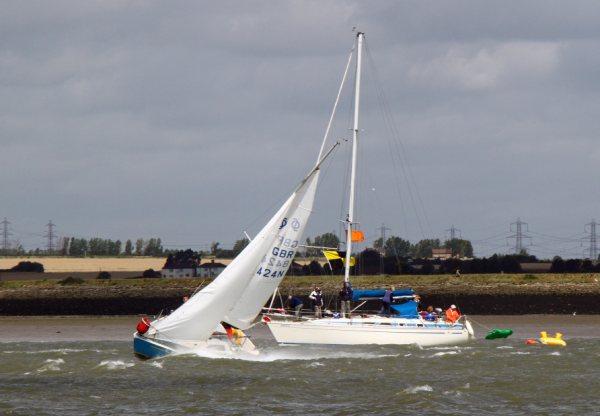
[475, 294]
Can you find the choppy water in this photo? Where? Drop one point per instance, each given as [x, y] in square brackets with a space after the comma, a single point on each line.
[95, 377]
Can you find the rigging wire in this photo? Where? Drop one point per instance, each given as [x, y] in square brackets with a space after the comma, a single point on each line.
[390, 123]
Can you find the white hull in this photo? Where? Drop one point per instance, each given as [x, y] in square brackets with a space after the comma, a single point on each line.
[365, 331]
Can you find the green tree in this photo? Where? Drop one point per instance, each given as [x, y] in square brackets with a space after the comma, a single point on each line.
[239, 245]
[78, 247]
[397, 247]
[214, 248]
[153, 247]
[128, 248]
[324, 240]
[327, 240]
[117, 248]
[460, 247]
[423, 249]
[139, 247]
[378, 244]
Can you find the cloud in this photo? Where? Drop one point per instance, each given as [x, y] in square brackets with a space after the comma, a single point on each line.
[488, 67]
[191, 120]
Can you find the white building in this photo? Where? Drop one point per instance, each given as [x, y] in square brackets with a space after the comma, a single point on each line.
[180, 266]
[179, 273]
[211, 269]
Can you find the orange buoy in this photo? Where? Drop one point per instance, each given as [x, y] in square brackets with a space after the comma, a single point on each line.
[530, 341]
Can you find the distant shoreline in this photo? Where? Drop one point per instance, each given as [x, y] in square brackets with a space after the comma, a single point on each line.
[474, 294]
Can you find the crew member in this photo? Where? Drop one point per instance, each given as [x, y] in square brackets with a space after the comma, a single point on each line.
[345, 299]
[430, 315]
[386, 301]
[296, 304]
[317, 297]
[452, 314]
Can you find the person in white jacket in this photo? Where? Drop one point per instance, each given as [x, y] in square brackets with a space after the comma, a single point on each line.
[317, 297]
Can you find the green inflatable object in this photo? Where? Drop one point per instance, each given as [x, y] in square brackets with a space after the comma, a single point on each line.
[499, 333]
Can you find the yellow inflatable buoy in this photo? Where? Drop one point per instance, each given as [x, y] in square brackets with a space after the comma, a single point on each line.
[557, 341]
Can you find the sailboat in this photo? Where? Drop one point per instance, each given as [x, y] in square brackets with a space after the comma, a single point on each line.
[404, 327]
[216, 316]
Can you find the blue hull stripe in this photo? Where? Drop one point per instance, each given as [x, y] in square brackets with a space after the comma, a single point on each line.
[147, 349]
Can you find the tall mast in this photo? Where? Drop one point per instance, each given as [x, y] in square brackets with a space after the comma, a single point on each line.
[350, 219]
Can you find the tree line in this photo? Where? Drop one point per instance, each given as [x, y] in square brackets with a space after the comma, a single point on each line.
[81, 247]
[394, 247]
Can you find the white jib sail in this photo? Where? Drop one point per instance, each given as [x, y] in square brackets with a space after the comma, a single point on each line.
[276, 260]
[196, 319]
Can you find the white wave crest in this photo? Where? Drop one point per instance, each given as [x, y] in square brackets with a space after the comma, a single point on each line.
[157, 364]
[115, 364]
[286, 354]
[315, 364]
[51, 365]
[417, 389]
[442, 353]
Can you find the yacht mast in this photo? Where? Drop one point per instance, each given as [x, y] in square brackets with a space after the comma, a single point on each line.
[350, 219]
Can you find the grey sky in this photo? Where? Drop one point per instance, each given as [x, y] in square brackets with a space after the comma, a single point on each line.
[192, 120]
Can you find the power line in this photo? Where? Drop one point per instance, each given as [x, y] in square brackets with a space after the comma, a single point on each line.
[453, 231]
[5, 234]
[518, 235]
[593, 250]
[50, 236]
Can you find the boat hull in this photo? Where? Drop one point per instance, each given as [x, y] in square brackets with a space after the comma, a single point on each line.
[360, 332]
[151, 347]
[146, 348]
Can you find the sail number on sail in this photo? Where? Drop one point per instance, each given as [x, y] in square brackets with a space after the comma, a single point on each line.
[277, 262]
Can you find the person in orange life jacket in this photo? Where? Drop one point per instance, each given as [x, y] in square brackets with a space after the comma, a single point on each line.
[452, 314]
[317, 297]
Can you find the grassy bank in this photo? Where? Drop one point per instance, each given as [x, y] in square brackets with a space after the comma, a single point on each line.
[477, 294]
[332, 283]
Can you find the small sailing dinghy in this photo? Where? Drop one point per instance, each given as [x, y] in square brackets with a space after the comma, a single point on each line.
[216, 316]
[403, 327]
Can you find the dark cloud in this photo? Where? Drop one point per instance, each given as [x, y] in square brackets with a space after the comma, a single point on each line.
[191, 120]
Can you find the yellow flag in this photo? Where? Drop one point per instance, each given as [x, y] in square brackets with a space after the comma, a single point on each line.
[334, 255]
[331, 255]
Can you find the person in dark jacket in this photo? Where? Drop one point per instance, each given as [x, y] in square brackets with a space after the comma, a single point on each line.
[386, 302]
[296, 304]
[345, 296]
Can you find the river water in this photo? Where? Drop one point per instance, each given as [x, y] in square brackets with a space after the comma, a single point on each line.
[85, 366]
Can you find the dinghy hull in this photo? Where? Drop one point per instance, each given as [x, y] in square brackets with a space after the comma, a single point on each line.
[146, 348]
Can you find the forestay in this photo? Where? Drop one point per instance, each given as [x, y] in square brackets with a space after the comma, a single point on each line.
[248, 277]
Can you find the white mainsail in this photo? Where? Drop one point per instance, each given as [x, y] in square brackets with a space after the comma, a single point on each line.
[196, 319]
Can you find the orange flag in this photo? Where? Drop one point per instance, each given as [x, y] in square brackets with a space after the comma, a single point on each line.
[358, 236]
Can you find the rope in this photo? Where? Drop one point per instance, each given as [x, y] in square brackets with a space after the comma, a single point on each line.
[480, 324]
